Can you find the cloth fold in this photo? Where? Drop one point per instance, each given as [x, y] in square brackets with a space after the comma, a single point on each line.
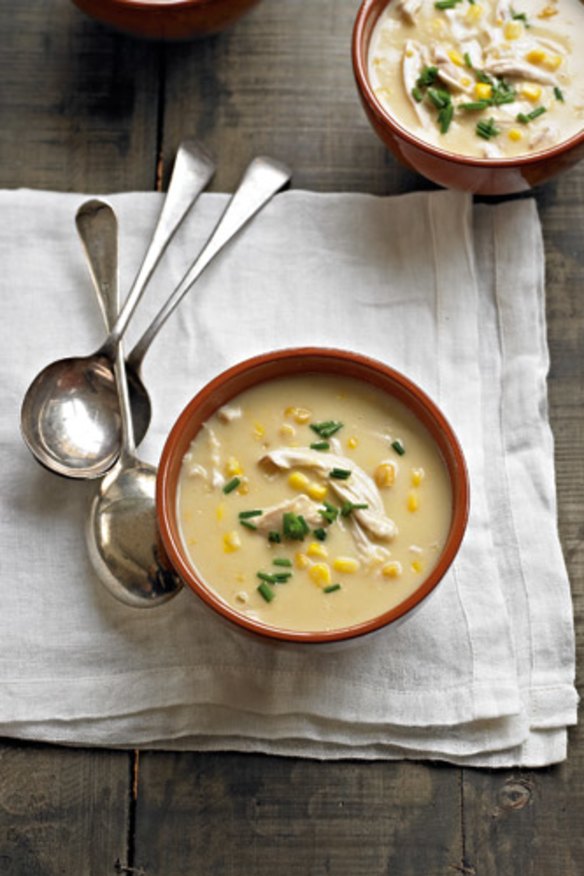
[450, 293]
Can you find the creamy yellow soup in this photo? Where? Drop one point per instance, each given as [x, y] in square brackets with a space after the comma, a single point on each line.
[313, 502]
[488, 78]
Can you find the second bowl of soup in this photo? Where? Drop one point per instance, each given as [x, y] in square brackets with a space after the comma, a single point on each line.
[312, 495]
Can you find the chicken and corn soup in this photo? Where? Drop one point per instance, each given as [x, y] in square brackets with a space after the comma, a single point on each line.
[484, 78]
[313, 502]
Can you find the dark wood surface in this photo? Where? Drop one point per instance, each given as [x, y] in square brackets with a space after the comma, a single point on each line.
[85, 109]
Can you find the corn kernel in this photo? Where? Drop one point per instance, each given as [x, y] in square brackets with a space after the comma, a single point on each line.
[232, 467]
[287, 431]
[316, 491]
[243, 488]
[418, 475]
[299, 415]
[317, 549]
[258, 431]
[515, 135]
[301, 561]
[413, 503]
[474, 12]
[409, 53]
[320, 574]
[345, 564]
[465, 81]
[352, 442]
[384, 474]
[531, 92]
[483, 90]
[552, 62]
[392, 569]
[512, 30]
[417, 566]
[298, 480]
[456, 58]
[547, 12]
[220, 511]
[231, 542]
[535, 56]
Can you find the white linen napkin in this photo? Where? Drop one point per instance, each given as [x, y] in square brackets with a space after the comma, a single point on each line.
[483, 672]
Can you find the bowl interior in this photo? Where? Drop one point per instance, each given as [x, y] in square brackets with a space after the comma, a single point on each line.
[231, 383]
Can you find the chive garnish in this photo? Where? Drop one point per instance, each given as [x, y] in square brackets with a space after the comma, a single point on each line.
[294, 526]
[526, 118]
[329, 512]
[274, 537]
[417, 94]
[266, 591]
[467, 60]
[248, 524]
[320, 445]
[266, 576]
[447, 4]
[274, 577]
[398, 447]
[231, 485]
[559, 94]
[326, 428]
[519, 16]
[348, 507]
[243, 515]
[445, 118]
[331, 588]
[475, 105]
[487, 129]
[439, 97]
[320, 533]
[282, 561]
[483, 77]
[427, 77]
[342, 474]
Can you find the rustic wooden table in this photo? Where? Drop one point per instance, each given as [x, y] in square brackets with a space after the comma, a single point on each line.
[85, 109]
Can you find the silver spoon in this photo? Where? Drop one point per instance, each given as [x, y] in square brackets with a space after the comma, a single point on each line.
[70, 416]
[121, 532]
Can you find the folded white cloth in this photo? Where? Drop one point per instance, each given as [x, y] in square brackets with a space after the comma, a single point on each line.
[451, 294]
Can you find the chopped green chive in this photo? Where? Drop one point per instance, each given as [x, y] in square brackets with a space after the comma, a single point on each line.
[475, 105]
[266, 591]
[526, 118]
[427, 77]
[503, 93]
[331, 588]
[320, 533]
[519, 16]
[486, 130]
[247, 523]
[439, 97]
[558, 94]
[398, 447]
[282, 561]
[348, 507]
[320, 445]
[483, 77]
[467, 59]
[243, 515]
[445, 118]
[231, 485]
[274, 577]
[342, 474]
[326, 428]
[417, 94]
[446, 4]
[274, 537]
[329, 512]
[294, 526]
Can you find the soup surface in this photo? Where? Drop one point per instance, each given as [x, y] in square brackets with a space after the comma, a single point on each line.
[484, 78]
[313, 502]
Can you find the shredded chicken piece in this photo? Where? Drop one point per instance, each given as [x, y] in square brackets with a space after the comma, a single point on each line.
[271, 518]
[370, 553]
[491, 151]
[228, 413]
[413, 61]
[512, 67]
[545, 136]
[359, 488]
[503, 10]
[409, 9]
[217, 479]
[449, 73]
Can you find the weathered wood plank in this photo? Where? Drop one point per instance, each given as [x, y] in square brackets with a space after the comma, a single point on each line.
[78, 103]
[281, 83]
[234, 814]
[63, 811]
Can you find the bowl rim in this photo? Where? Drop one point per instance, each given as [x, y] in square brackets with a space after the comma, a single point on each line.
[163, 5]
[434, 421]
[359, 53]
